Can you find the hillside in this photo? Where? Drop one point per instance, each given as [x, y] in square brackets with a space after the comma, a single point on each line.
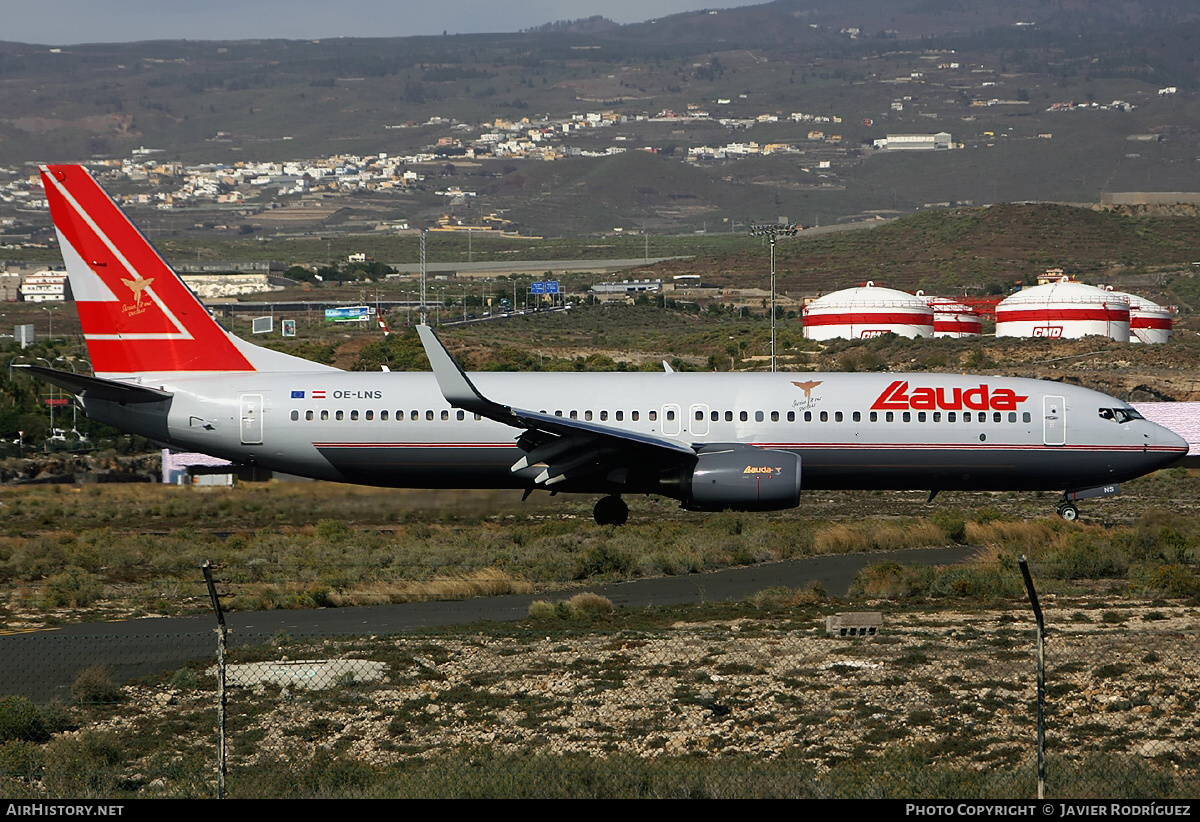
[1062, 107]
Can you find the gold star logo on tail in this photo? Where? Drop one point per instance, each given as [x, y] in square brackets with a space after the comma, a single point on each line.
[137, 287]
[807, 387]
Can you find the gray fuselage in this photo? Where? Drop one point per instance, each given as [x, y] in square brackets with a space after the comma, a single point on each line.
[870, 431]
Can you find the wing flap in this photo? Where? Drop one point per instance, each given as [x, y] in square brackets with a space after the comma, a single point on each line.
[568, 449]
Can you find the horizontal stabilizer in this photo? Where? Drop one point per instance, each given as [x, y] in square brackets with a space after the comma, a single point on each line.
[96, 387]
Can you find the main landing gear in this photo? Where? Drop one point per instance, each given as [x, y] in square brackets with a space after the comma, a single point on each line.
[611, 511]
[1068, 511]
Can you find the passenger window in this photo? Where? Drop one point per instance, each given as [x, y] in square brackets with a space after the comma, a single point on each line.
[996, 416]
[758, 416]
[890, 416]
[908, 416]
[951, 416]
[460, 415]
[587, 416]
[1026, 418]
[808, 416]
[653, 415]
[603, 416]
[920, 416]
[937, 416]
[699, 416]
[308, 415]
[414, 415]
[1012, 416]
[383, 415]
[858, 416]
[618, 416]
[296, 415]
[728, 416]
[574, 415]
[354, 415]
[715, 416]
[339, 416]
[874, 416]
[445, 416]
[837, 417]
[324, 415]
[633, 415]
[670, 415]
[743, 416]
[429, 415]
[370, 415]
[774, 416]
[966, 416]
[824, 416]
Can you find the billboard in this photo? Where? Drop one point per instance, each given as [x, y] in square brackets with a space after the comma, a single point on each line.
[347, 314]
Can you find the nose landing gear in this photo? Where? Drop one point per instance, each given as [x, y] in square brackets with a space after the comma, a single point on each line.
[611, 511]
[1067, 508]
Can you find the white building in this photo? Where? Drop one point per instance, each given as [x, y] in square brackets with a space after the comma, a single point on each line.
[44, 287]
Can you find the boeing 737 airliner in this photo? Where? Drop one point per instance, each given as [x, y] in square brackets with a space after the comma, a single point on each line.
[166, 370]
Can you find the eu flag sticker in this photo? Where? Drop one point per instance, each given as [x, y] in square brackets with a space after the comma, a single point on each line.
[297, 395]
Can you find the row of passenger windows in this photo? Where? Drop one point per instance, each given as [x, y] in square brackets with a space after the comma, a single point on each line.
[670, 415]
[326, 414]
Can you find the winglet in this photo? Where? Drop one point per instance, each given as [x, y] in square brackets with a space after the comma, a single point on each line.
[454, 383]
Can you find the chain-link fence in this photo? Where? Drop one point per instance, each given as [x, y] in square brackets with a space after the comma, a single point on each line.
[935, 704]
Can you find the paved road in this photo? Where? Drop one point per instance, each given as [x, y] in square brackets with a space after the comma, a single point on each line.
[42, 665]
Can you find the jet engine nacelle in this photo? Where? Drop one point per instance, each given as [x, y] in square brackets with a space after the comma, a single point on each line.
[743, 478]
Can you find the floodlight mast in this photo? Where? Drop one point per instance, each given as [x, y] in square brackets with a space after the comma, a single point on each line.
[772, 231]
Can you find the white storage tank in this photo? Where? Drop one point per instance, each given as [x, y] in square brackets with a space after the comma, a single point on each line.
[1149, 322]
[1064, 309]
[952, 319]
[867, 311]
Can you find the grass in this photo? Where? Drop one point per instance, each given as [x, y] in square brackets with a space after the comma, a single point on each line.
[132, 550]
[731, 700]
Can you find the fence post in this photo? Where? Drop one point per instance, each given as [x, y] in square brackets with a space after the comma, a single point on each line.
[1041, 675]
[207, 567]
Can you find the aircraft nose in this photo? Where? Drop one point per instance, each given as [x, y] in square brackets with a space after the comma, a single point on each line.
[1166, 438]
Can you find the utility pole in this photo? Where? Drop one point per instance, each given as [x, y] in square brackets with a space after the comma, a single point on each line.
[772, 232]
[422, 311]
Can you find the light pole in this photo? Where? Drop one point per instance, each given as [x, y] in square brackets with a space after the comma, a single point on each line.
[772, 232]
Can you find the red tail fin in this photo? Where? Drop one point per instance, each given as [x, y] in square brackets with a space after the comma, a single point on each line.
[138, 317]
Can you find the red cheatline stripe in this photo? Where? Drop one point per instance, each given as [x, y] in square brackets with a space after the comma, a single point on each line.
[898, 317]
[1048, 314]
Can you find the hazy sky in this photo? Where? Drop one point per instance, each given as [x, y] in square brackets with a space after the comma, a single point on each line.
[64, 22]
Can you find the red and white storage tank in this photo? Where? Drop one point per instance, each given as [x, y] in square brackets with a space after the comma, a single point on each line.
[1149, 322]
[867, 311]
[1064, 309]
[952, 319]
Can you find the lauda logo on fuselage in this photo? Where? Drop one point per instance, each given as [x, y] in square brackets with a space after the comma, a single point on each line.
[899, 397]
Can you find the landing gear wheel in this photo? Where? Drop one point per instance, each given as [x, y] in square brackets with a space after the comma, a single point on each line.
[1068, 512]
[611, 511]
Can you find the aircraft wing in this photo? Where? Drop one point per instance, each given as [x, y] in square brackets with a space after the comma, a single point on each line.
[569, 449]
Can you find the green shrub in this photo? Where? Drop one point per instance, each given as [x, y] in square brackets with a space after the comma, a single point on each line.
[94, 686]
[70, 589]
[21, 720]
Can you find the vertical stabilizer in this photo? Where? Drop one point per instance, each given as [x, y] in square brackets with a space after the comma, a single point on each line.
[138, 316]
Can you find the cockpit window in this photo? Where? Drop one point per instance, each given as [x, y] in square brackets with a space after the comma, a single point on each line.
[1119, 415]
